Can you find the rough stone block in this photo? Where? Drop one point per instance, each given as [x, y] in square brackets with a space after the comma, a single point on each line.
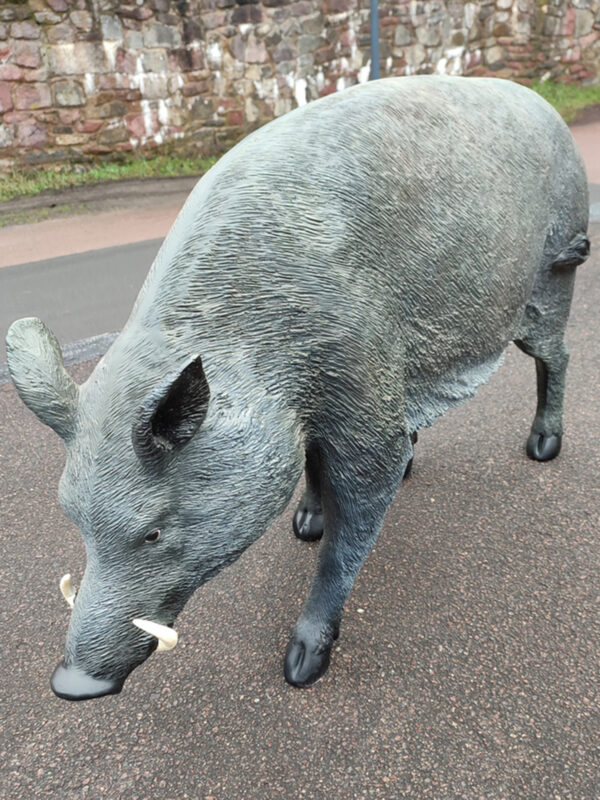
[194, 88]
[252, 51]
[187, 59]
[113, 135]
[111, 28]
[69, 115]
[301, 9]
[324, 55]
[192, 31]
[68, 93]
[96, 149]
[6, 103]
[428, 36]
[142, 125]
[82, 20]
[495, 57]
[24, 30]
[7, 136]
[586, 41]
[584, 22]
[78, 58]
[572, 55]
[154, 86]
[339, 6]
[284, 52]
[133, 40]
[135, 12]
[160, 6]
[309, 43]
[58, 5]
[313, 24]
[27, 54]
[216, 19]
[10, 72]
[170, 20]
[132, 24]
[36, 75]
[47, 17]
[402, 36]
[235, 117]
[159, 35]
[569, 22]
[154, 60]
[32, 96]
[69, 139]
[31, 134]
[501, 29]
[59, 34]
[114, 108]
[125, 61]
[415, 55]
[90, 126]
[12, 117]
[246, 14]
[3, 32]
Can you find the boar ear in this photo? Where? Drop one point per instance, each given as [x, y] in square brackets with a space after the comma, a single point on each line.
[172, 413]
[38, 371]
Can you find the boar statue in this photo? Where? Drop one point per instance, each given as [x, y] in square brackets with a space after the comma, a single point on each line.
[338, 280]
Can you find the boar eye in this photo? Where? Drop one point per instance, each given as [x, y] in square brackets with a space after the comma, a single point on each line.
[153, 536]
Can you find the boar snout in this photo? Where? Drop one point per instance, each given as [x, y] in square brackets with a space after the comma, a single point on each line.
[72, 683]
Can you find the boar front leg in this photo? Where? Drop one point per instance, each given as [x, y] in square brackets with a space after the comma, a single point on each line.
[357, 486]
[308, 518]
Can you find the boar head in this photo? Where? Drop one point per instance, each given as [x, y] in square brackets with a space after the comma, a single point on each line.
[156, 479]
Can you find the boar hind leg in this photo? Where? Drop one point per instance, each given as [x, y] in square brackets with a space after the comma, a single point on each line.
[542, 337]
[308, 518]
[356, 490]
[544, 441]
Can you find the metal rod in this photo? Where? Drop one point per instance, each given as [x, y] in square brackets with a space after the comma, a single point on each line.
[374, 40]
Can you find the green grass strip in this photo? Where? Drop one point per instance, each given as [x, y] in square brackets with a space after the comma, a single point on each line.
[21, 184]
[568, 99]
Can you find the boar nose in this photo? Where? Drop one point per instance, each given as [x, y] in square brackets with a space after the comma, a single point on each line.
[72, 683]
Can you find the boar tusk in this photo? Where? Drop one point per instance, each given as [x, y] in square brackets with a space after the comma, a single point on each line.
[66, 587]
[167, 637]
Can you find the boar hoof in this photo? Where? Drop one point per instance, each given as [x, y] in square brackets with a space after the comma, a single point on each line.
[408, 470]
[304, 663]
[541, 447]
[307, 524]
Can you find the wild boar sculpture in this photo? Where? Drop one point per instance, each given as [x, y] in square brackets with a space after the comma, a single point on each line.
[338, 280]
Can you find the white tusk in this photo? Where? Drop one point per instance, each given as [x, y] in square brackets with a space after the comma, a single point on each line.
[66, 587]
[167, 637]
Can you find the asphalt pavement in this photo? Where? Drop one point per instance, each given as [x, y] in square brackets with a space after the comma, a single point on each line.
[468, 663]
[80, 296]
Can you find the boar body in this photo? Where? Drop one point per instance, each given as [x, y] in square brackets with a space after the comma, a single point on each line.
[338, 280]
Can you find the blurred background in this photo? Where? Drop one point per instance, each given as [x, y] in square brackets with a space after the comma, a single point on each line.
[93, 82]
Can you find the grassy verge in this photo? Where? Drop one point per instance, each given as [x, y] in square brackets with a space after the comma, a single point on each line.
[20, 184]
[568, 99]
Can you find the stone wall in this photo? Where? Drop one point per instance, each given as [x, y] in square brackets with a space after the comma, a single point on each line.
[82, 79]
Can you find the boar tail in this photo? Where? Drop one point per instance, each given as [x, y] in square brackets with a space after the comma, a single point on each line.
[575, 253]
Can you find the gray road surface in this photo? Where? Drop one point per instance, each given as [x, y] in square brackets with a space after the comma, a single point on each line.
[78, 296]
